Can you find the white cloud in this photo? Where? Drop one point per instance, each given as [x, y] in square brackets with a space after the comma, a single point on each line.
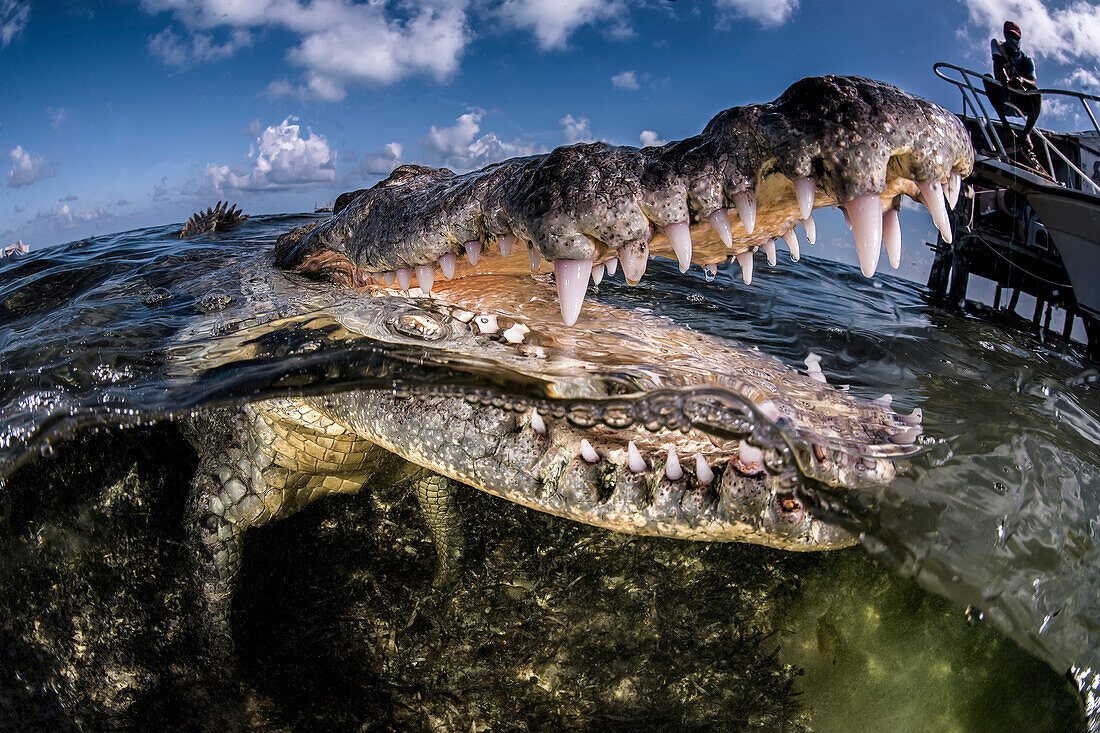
[1062, 34]
[576, 129]
[178, 52]
[625, 80]
[14, 15]
[767, 13]
[553, 21]
[284, 160]
[26, 168]
[341, 42]
[1082, 78]
[63, 217]
[382, 163]
[459, 145]
[649, 137]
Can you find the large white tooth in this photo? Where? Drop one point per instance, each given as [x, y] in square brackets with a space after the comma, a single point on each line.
[634, 460]
[537, 423]
[954, 185]
[447, 264]
[506, 242]
[679, 236]
[813, 368]
[405, 277]
[907, 436]
[711, 269]
[597, 273]
[589, 453]
[487, 323]
[865, 214]
[883, 401]
[425, 277]
[745, 260]
[572, 280]
[931, 193]
[672, 466]
[891, 237]
[515, 334]
[612, 265]
[634, 257]
[703, 474]
[533, 257]
[792, 243]
[746, 209]
[473, 249]
[388, 277]
[769, 250]
[811, 229]
[804, 192]
[720, 222]
[750, 453]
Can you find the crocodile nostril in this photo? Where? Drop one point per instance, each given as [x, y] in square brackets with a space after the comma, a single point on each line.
[790, 508]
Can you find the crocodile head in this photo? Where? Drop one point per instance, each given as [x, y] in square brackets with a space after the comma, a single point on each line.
[741, 184]
[476, 251]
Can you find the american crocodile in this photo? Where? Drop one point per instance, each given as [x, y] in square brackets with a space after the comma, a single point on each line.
[641, 467]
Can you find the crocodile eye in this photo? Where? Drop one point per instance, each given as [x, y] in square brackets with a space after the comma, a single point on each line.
[418, 324]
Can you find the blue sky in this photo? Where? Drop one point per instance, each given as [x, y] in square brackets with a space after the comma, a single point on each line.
[125, 114]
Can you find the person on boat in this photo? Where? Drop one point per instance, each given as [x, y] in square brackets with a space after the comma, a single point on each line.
[1015, 70]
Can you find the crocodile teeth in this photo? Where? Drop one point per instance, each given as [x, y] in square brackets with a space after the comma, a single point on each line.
[533, 257]
[473, 249]
[931, 193]
[572, 280]
[487, 324]
[769, 250]
[865, 214]
[811, 229]
[711, 269]
[804, 192]
[703, 474]
[792, 245]
[913, 418]
[612, 265]
[679, 236]
[447, 264]
[891, 237]
[589, 453]
[634, 460]
[883, 401]
[954, 185]
[746, 209]
[405, 277]
[425, 277]
[506, 242]
[515, 334]
[720, 222]
[537, 423]
[907, 436]
[672, 466]
[750, 453]
[745, 260]
[388, 277]
[634, 256]
[597, 273]
[813, 367]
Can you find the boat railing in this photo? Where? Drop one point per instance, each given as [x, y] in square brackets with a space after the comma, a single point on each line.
[972, 85]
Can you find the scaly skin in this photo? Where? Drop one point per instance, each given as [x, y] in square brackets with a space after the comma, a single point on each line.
[847, 141]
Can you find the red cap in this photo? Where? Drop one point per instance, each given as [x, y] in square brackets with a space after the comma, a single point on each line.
[1011, 29]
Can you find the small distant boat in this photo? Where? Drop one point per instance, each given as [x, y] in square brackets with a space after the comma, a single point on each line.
[15, 249]
[1028, 229]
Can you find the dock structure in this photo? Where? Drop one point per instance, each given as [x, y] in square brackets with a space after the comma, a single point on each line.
[1028, 223]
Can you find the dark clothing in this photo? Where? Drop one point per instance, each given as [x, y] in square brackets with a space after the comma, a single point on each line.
[1014, 69]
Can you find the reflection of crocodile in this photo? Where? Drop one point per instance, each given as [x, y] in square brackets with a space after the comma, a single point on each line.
[738, 186]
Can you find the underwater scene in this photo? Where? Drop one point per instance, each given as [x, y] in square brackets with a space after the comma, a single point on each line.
[872, 513]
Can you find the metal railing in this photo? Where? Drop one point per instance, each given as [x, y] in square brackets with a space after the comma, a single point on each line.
[972, 96]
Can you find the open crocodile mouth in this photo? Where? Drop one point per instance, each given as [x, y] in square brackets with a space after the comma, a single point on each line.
[581, 211]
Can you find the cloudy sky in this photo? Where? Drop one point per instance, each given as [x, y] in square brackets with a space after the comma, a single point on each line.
[121, 114]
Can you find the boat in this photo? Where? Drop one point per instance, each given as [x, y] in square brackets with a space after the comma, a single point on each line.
[1029, 223]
